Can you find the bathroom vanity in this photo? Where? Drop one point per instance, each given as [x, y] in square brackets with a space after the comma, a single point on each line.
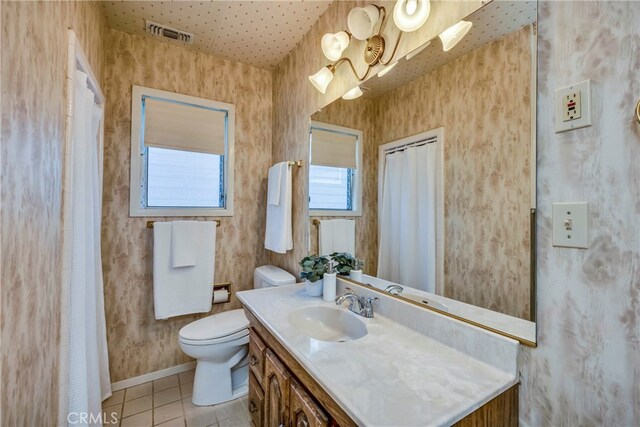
[313, 363]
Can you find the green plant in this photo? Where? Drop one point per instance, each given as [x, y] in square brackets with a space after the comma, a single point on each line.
[345, 262]
[313, 267]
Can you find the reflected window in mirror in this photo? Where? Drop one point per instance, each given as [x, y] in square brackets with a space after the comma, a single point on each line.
[334, 170]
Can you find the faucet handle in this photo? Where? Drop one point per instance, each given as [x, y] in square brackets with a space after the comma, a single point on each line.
[370, 300]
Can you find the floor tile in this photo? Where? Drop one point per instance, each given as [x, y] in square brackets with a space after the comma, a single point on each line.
[111, 412]
[116, 397]
[165, 383]
[232, 409]
[186, 389]
[143, 419]
[176, 422]
[237, 421]
[186, 377]
[136, 406]
[166, 396]
[168, 412]
[138, 391]
[198, 416]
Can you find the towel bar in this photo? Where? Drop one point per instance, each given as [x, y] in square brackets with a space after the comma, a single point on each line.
[150, 223]
[295, 163]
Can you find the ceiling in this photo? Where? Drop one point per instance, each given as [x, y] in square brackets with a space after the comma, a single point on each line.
[258, 33]
[492, 22]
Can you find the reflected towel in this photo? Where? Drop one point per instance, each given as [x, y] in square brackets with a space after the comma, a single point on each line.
[337, 235]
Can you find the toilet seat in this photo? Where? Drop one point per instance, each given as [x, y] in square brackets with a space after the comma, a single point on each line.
[218, 328]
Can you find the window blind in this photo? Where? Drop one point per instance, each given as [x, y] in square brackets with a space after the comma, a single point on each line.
[183, 127]
[333, 149]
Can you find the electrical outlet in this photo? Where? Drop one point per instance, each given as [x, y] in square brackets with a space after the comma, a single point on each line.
[573, 106]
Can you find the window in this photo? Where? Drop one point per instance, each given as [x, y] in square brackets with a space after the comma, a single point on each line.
[181, 155]
[334, 177]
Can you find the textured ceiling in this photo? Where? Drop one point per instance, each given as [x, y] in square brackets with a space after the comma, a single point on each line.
[258, 33]
[492, 22]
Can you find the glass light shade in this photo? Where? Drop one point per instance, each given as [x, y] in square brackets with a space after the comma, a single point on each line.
[361, 21]
[354, 93]
[452, 35]
[409, 15]
[387, 69]
[334, 44]
[321, 79]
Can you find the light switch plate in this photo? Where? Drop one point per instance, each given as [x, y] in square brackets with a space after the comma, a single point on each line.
[573, 106]
[571, 225]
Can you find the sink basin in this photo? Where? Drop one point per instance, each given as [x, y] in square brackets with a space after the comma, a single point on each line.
[327, 324]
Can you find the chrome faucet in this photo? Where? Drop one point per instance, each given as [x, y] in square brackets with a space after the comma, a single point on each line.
[394, 289]
[362, 306]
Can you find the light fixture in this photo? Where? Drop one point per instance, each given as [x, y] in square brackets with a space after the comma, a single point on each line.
[409, 15]
[334, 44]
[322, 78]
[387, 69]
[354, 93]
[452, 35]
[361, 21]
[418, 50]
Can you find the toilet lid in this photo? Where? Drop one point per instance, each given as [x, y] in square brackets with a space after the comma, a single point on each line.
[216, 326]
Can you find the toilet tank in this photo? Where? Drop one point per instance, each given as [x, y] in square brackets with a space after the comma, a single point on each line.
[269, 275]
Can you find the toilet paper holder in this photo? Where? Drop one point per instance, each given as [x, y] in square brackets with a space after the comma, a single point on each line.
[226, 286]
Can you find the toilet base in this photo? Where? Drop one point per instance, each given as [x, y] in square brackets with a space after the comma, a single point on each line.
[214, 384]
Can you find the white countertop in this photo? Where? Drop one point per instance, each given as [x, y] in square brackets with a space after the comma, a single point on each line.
[393, 376]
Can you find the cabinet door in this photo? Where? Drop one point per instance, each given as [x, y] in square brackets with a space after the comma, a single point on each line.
[256, 356]
[256, 401]
[304, 412]
[276, 392]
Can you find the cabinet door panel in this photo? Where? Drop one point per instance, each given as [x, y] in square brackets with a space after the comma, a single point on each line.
[276, 382]
[304, 411]
[256, 401]
[256, 356]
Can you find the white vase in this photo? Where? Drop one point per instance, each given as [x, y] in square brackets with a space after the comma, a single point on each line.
[356, 275]
[314, 289]
[329, 287]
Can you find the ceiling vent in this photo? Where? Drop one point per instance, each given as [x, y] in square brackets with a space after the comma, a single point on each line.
[170, 33]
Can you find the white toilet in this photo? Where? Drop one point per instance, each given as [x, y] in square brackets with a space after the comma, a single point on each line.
[220, 345]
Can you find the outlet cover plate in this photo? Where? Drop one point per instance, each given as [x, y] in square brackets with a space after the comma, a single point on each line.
[571, 225]
[581, 92]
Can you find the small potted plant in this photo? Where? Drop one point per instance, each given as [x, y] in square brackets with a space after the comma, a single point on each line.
[313, 269]
[345, 262]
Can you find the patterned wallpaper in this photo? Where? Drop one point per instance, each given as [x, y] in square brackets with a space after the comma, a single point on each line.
[138, 343]
[357, 114]
[486, 114]
[34, 61]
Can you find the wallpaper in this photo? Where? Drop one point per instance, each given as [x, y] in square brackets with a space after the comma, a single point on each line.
[139, 344]
[34, 61]
[486, 115]
[585, 370]
[357, 115]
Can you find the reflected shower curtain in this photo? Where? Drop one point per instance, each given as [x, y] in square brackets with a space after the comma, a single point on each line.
[89, 379]
[407, 246]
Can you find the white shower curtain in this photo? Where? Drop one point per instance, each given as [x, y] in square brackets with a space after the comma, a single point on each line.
[89, 380]
[407, 247]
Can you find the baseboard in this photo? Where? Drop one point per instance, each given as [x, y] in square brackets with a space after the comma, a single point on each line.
[130, 382]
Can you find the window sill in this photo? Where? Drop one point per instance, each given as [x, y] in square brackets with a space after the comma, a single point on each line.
[183, 212]
[322, 213]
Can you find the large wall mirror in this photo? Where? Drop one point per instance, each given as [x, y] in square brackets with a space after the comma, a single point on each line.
[436, 174]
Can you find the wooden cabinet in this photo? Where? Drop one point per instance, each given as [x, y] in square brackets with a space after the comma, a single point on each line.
[283, 394]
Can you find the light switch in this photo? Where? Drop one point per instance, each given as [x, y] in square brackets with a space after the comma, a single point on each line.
[573, 106]
[571, 225]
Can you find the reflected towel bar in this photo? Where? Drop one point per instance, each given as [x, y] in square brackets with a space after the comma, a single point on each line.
[295, 163]
[150, 223]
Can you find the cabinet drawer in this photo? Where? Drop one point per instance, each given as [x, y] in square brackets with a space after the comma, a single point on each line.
[256, 401]
[303, 410]
[256, 356]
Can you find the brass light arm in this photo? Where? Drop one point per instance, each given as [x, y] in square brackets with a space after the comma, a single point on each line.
[333, 67]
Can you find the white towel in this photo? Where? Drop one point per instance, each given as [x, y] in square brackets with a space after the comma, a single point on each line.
[274, 183]
[278, 236]
[185, 290]
[337, 235]
[184, 235]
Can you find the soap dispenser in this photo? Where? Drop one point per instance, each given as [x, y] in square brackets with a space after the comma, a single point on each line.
[329, 283]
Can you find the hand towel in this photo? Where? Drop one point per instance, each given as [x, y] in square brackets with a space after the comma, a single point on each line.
[184, 234]
[185, 290]
[337, 235]
[274, 181]
[278, 236]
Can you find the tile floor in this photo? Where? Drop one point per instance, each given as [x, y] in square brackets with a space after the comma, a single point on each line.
[167, 402]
